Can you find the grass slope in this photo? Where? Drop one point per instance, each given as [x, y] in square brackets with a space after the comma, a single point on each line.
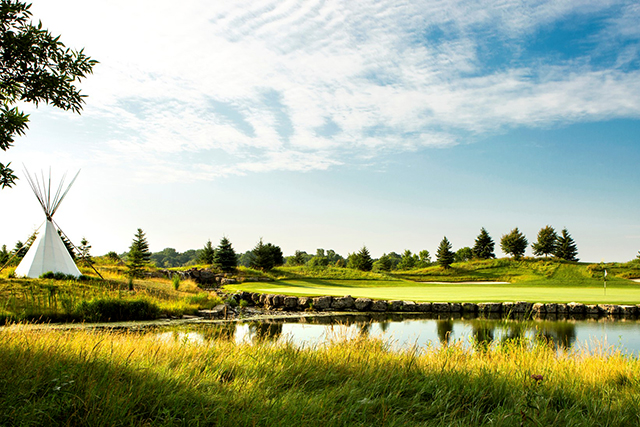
[107, 378]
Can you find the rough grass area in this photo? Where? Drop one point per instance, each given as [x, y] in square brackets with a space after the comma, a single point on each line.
[105, 378]
[111, 299]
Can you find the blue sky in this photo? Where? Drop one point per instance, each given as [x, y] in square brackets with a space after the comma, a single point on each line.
[336, 124]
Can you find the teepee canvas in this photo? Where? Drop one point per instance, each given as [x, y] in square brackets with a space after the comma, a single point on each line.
[48, 252]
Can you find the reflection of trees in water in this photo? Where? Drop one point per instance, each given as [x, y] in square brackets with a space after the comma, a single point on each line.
[364, 328]
[384, 326]
[482, 333]
[560, 334]
[265, 331]
[225, 331]
[515, 331]
[444, 328]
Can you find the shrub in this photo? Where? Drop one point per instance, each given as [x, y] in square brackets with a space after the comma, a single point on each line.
[176, 281]
[113, 310]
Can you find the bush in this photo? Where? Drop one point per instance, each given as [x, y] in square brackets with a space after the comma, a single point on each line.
[114, 310]
[176, 281]
[61, 276]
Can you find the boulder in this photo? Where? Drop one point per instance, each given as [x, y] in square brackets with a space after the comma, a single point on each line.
[592, 309]
[563, 309]
[628, 310]
[304, 303]
[278, 301]
[440, 307]
[576, 308]
[538, 308]
[379, 305]
[409, 306]
[396, 305]
[322, 303]
[551, 308]
[423, 307]
[469, 307]
[490, 307]
[455, 307]
[609, 308]
[291, 303]
[342, 303]
[362, 304]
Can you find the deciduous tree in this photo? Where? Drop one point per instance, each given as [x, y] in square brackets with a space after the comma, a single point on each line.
[546, 244]
[36, 67]
[514, 243]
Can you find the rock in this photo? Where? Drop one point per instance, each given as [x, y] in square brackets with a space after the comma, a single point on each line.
[522, 307]
[228, 281]
[507, 308]
[304, 302]
[469, 307]
[291, 303]
[409, 306]
[379, 305]
[576, 308]
[551, 307]
[322, 303]
[217, 312]
[256, 297]
[592, 309]
[628, 310]
[263, 299]
[342, 303]
[396, 305]
[278, 301]
[440, 307]
[455, 307]
[423, 307]
[363, 304]
[609, 308]
[538, 308]
[489, 307]
[562, 309]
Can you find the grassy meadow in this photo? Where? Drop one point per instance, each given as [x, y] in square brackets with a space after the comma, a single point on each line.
[93, 300]
[78, 378]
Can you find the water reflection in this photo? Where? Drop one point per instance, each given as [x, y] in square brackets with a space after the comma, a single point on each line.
[420, 331]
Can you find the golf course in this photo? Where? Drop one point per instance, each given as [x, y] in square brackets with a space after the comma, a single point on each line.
[498, 280]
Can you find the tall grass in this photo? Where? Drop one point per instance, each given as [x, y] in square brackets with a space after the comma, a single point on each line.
[108, 378]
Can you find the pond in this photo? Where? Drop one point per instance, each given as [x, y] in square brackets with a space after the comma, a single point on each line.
[403, 332]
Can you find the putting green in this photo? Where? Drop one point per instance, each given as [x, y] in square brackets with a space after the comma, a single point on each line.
[400, 290]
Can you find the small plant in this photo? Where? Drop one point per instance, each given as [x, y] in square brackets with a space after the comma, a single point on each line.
[231, 301]
[243, 303]
[176, 281]
[130, 283]
[12, 274]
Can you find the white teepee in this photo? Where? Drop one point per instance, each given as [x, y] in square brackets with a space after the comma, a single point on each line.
[48, 252]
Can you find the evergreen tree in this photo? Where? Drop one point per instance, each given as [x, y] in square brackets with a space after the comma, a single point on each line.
[84, 249]
[299, 258]
[207, 254]
[546, 244]
[4, 255]
[565, 247]
[444, 255]
[225, 257]
[68, 245]
[266, 256]
[514, 243]
[484, 246]
[139, 254]
[361, 260]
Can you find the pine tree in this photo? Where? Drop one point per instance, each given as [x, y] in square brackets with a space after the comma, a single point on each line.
[362, 260]
[84, 249]
[139, 254]
[225, 257]
[265, 257]
[546, 244]
[484, 246]
[514, 243]
[207, 254]
[566, 247]
[4, 255]
[445, 255]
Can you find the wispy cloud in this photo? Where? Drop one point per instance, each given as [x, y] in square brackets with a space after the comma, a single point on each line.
[260, 80]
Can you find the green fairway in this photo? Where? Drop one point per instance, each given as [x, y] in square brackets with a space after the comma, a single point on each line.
[403, 290]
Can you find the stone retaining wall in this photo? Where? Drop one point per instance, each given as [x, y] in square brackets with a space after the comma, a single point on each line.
[348, 303]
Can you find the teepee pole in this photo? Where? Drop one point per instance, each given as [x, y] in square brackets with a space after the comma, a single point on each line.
[76, 248]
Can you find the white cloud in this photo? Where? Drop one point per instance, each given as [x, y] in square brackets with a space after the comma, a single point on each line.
[364, 65]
